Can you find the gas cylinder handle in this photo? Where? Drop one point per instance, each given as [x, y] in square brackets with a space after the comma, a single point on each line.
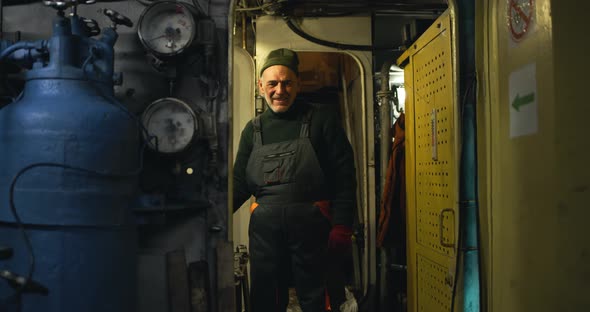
[91, 26]
[117, 18]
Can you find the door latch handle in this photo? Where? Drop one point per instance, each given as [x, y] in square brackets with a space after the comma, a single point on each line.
[441, 220]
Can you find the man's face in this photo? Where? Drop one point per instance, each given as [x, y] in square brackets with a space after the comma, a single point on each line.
[280, 86]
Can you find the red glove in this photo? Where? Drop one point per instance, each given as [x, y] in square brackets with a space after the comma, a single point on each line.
[340, 238]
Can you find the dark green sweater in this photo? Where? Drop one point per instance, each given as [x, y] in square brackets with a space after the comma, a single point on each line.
[330, 144]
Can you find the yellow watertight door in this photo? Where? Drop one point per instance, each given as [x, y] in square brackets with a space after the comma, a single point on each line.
[432, 166]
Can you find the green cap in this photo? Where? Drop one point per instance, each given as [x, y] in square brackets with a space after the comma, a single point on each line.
[283, 57]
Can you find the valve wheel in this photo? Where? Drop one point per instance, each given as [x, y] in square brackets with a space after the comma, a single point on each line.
[64, 4]
[118, 18]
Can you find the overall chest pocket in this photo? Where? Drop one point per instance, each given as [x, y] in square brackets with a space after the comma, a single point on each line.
[279, 168]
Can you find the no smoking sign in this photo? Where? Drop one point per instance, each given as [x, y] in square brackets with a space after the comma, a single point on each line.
[520, 15]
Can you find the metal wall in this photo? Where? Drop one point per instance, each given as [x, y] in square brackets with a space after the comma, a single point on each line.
[533, 152]
[200, 235]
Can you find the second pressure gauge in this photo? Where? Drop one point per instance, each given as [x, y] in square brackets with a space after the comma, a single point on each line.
[172, 122]
[167, 28]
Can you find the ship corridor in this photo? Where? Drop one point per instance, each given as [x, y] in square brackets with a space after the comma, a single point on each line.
[120, 122]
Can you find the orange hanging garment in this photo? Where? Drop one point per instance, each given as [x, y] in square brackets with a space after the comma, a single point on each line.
[392, 218]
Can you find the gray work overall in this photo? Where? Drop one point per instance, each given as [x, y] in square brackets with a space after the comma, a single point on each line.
[287, 232]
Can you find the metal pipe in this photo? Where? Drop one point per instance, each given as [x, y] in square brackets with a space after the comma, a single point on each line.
[468, 205]
[1, 19]
[244, 46]
[384, 98]
[230, 99]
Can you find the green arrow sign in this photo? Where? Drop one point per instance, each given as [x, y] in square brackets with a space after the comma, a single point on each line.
[522, 100]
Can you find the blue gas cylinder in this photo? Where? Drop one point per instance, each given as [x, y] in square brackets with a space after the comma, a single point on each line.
[78, 222]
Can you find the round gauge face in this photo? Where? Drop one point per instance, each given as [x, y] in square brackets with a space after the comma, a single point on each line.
[172, 122]
[167, 28]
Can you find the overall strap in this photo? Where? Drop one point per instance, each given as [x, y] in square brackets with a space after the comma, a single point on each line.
[306, 123]
[257, 130]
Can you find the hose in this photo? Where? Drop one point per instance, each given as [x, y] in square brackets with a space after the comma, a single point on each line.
[22, 45]
[339, 46]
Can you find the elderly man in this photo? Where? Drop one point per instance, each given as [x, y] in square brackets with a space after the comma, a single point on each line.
[296, 160]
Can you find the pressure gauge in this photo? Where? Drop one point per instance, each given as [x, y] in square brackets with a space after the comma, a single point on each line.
[172, 122]
[167, 28]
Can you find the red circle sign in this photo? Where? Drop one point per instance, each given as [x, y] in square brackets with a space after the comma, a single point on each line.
[520, 13]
